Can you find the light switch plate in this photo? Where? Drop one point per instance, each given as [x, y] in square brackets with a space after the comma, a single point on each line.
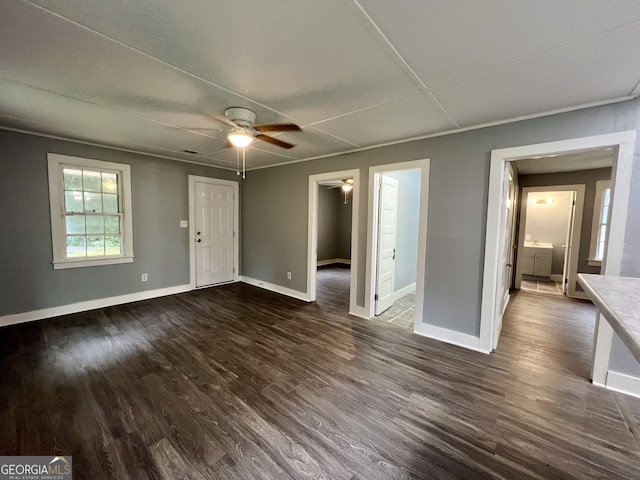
[184, 223]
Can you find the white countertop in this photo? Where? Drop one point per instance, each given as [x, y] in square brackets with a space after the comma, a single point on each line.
[618, 299]
[538, 245]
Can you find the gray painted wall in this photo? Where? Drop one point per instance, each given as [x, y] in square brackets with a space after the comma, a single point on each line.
[160, 200]
[457, 208]
[327, 223]
[584, 177]
[334, 224]
[407, 227]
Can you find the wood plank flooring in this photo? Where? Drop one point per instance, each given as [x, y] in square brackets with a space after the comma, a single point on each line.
[237, 382]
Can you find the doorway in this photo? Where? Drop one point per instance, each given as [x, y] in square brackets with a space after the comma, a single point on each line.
[550, 227]
[213, 227]
[623, 146]
[327, 187]
[396, 247]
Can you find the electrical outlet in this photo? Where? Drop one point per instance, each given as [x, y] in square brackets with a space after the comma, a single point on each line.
[288, 275]
[528, 236]
[144, 277]
[184, 223]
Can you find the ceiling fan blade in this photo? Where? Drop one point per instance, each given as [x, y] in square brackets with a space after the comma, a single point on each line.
[278, 127]
[274, 141]
[222, 119]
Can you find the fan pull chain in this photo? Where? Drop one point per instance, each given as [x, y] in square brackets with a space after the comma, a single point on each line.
[237, 162]
[244, 164]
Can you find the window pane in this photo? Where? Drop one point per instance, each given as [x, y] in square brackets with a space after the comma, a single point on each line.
[112, 244]
[111, 224]
[92, 181]
[602, 233]
[72, 179]
[95, 245]
[109, 183]
[110, 203]
[75, 224]
[95, 224]
[92, 202]
[600, 252]
[605, 214]
[607, 196]
[76, 247]
[73, 202]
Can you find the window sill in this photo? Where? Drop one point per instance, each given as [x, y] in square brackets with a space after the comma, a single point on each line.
[594, 263]
[61, 265]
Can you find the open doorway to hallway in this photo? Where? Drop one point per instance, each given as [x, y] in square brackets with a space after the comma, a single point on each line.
[333, 243]
[560, 211]
[333, 236]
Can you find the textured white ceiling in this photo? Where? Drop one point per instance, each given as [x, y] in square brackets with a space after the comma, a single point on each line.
[570, 162]
[143, 74]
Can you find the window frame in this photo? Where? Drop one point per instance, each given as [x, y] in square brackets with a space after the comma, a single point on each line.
[56, 163]
[598, 204]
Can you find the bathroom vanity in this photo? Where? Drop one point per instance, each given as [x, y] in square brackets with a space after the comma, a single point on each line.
[536, 259]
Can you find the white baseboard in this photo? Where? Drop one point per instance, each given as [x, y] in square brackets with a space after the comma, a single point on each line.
[331, 261]
[360, 312]
[450, 336]
[90, 305]
[623, 383]
[404, 291]
[275, 288]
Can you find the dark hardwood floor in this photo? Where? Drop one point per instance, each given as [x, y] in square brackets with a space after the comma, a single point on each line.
[238, 382]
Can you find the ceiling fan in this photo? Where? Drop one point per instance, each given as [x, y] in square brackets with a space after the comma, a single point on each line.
[244, 131]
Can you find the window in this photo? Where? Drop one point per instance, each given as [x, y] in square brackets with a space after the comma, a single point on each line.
[600, 222]
[90, 212]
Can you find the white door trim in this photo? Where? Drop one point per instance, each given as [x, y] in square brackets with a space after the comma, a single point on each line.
[192, 222]
[372, 237]
[624, 142]
[312, 232]
[575, 241]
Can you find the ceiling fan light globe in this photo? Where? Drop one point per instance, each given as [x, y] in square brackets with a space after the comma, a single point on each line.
[240, 139]
[346, 187]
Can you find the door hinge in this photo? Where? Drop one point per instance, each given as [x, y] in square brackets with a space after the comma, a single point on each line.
[375, 297]
[234, 234]
[234, 269]
[574, 202]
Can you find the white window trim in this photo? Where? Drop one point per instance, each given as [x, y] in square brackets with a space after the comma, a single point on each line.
[56, 201]
[601, 186]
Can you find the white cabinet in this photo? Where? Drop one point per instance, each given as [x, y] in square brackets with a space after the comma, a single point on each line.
[536, 260]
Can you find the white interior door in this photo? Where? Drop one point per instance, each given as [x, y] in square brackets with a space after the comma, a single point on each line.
[387, 221]
[510, 187]
[214, 220]
[568, 246]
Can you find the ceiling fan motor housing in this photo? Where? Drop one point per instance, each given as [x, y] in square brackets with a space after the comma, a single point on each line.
[242, 117]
